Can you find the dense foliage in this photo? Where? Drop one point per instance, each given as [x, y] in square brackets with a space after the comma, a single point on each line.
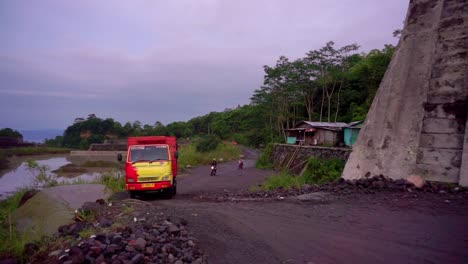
[8, 132]
[323, 170]
[264, 161]
[329, 84]
[207, 143]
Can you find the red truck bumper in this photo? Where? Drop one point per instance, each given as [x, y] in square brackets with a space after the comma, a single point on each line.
[148, 186]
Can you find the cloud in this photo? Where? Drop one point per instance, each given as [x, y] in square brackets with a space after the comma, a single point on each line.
[48, 93]
[163, 60]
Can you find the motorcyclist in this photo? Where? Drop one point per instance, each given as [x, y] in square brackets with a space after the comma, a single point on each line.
[241, 163]
[213, 167]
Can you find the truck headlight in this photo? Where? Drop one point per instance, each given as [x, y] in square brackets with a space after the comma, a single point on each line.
[165, 178]
[131, 180]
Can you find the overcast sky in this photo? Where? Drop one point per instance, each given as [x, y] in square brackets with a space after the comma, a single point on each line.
[163, 60]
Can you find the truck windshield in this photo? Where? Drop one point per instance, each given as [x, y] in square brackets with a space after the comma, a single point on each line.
[148, 153]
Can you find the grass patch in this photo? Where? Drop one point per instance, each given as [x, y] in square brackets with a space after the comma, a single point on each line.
[188, 155]
[284, 180]
[319, 171]
[86, 232]
[78, 181]
[12, 242]
[128, 210]
[113, 181]
[264, 161]
[34, 151]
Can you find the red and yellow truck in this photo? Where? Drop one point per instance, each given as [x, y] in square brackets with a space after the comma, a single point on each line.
[151, 165]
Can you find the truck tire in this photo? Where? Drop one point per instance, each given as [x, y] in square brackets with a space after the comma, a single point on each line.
[167, 194]
[174, 188]
[132, 194]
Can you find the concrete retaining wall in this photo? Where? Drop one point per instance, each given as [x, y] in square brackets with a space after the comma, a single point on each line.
[108, 147]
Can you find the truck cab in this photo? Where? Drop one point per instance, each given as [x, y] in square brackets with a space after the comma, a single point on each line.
[151, 165]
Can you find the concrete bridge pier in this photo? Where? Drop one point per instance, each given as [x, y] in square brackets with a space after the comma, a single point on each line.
[417, 123]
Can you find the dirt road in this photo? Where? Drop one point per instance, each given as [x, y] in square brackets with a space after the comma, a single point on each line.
[377, 228]
[229, 178]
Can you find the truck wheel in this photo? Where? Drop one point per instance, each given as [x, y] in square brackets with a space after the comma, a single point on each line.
[132, 194]
[174, 188]
[167, 194]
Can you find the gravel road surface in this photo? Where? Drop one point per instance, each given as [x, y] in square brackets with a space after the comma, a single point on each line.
[372, 228]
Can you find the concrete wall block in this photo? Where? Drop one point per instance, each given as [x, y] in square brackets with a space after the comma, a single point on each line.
[437, 111]
[454, 8]
[457, 56]
[441, 157]
[451, 34]
[450, 70]
[464, 166]
[455, 110]
[438, 98]
[444, 86]
[454, 44]
[422, 14]
[443, 126]
[452, 23]
[447, 141]
[420, 97]
[437, 173]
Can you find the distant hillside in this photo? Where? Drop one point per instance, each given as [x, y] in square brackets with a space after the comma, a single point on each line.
[40, 135]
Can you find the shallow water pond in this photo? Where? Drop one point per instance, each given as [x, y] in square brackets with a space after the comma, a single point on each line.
[19, 176]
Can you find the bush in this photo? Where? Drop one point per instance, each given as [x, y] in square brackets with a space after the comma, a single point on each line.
[207, 143]
[8, 132]
[283, 180]
[264, 161]
[241, 139]
[113, 181]
[321, 170]
[189, 156]
[12, 242]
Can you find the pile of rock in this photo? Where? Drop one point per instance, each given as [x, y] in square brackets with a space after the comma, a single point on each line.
[142, 236]
[341, 186]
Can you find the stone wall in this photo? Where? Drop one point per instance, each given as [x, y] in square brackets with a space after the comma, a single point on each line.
[417, 122]
[108, 147]
[282, 154]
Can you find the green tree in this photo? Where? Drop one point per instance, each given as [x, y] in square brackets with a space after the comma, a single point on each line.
[9, 132]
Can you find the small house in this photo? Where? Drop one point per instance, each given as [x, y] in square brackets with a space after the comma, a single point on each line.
[351, 132]
[317, 133]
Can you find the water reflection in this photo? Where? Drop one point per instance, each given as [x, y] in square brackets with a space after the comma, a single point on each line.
[21, 177]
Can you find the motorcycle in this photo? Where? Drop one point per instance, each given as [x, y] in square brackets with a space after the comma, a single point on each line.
[213, 171]
[241, 164]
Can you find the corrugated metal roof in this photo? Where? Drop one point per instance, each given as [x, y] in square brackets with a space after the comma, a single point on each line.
[355, 123]
[326, 124]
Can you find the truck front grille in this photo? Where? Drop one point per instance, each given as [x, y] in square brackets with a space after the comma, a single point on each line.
[147, 179]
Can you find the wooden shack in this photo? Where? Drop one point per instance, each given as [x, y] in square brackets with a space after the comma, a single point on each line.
[317, 133]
